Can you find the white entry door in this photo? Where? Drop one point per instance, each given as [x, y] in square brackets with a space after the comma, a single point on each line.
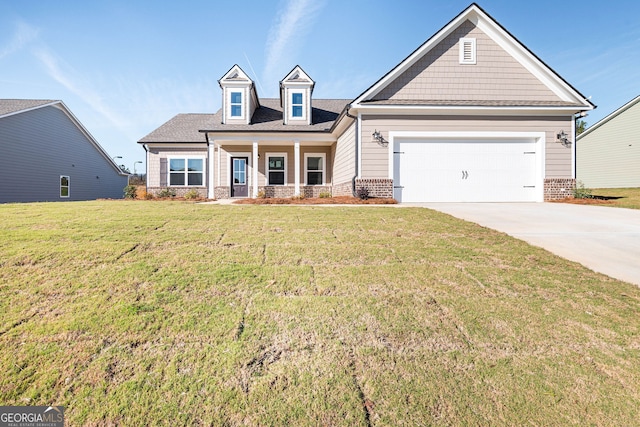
[465, 170]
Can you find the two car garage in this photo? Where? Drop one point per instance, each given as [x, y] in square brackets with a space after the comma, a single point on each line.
[467, 168]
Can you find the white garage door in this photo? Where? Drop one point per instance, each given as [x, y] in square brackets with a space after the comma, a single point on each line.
[464, 170]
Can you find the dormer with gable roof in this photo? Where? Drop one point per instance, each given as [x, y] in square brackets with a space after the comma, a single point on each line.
[295, 97]
[239, 97]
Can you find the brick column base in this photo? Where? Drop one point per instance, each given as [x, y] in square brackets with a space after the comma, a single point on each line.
[558, 188]
[378, 187]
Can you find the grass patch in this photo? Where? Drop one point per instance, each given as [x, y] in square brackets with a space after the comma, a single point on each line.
[143, 313]
[616, 197]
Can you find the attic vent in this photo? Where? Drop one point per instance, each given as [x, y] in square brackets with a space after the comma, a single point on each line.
[467, 51]
[295, 76]
[234, 75]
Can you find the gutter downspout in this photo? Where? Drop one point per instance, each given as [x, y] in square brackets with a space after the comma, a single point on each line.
[357, 148]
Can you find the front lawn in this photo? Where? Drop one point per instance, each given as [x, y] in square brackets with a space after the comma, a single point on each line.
[173, 313]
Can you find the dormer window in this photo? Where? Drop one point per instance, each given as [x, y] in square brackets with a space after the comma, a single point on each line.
[236, 104]
[296, 105]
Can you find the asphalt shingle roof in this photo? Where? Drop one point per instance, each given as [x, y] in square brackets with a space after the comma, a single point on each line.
[267, 118]
[8, 106]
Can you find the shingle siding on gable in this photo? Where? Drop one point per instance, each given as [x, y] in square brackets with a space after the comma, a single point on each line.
[38, 146]
[439, 75]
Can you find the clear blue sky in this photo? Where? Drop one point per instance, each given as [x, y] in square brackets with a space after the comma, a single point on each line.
[124, 67]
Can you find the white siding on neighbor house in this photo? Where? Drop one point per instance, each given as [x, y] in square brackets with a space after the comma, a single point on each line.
[39, 146]
[375, 158]
[609, 155]
[496, 75]
[157, 167]
[345, 156]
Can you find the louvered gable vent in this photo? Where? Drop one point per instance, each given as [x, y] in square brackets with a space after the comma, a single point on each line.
[467, 51]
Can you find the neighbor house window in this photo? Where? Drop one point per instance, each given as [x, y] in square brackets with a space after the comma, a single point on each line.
[296, 104]
[314, 169]
[276, 168]
[186, 171]
[236, 104]
[64, 186]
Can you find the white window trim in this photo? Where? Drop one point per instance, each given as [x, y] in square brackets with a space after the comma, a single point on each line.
[242, 103]
[186, 172]
[304, 105]
[266, 167]
[324, 167]
[68, 186]
[471, 42]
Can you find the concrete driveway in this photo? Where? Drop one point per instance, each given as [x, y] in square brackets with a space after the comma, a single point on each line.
[604, 239]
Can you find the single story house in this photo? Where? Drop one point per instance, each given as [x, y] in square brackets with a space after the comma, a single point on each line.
[608, 153]
[470, 115]
[46, 155]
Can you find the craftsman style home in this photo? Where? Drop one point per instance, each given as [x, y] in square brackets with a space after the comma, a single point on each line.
[471, 115]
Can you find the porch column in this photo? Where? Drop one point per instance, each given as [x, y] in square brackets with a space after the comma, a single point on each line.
[254, 169]
[210, 172]
[296, 166]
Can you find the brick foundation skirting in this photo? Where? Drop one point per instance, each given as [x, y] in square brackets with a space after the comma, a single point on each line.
[179, 191]
[558, 188]
[342, 189]
[378, 187]
[221, 192]
[279, 191]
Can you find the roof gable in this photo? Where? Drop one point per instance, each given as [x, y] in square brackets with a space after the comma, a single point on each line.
[297, 75]
[425, 68]
[634, 103]
[9, 107]
[235, 75]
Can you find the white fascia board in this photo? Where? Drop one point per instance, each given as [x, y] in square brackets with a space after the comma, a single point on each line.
[609, 117]
[413, 58]
[286, 138]
[532, 64]
[165, 145]
[467, 110]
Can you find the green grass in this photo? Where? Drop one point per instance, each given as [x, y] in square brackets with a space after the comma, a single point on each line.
[169, 313]
[620, 197]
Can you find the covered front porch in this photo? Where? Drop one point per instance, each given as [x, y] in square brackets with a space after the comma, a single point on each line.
[275, 167]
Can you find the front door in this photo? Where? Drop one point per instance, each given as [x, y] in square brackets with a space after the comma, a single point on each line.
[239, 187]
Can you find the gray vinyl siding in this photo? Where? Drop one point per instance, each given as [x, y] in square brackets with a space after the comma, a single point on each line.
[375, 157]
[609, 155]
[438, 75]
[38, 146]
[345, 156]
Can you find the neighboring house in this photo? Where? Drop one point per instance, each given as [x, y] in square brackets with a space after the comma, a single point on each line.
[471, 115]
[608, 153]
[47, 155]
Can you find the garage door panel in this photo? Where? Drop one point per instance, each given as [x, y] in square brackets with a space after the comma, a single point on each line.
[465, 170]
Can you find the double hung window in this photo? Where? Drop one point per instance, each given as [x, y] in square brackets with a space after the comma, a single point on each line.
[276, 168]
[236, 104]
[186, 171]
[296, 105]
[314, 169]
[64, 186]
